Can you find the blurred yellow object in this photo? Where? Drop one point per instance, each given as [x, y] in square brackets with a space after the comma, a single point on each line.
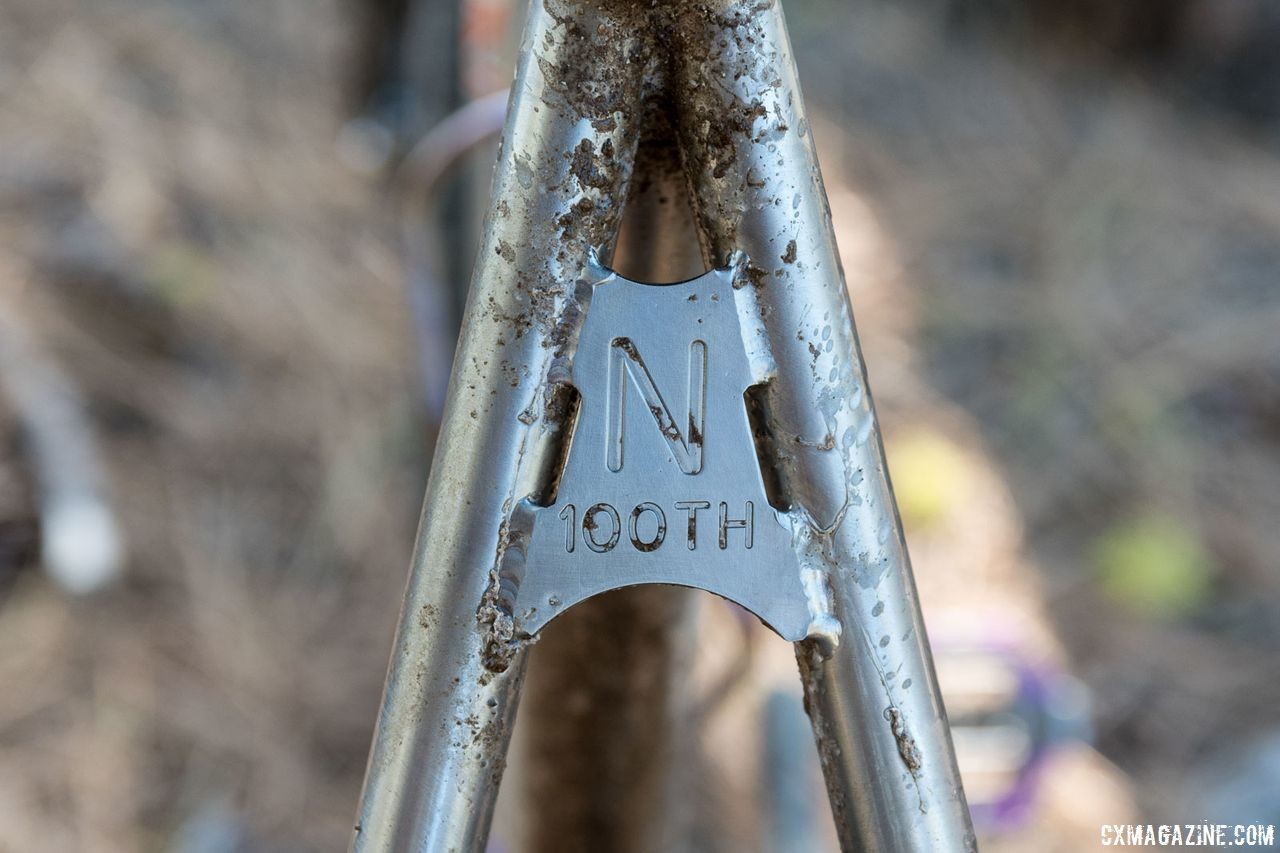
[928, 474]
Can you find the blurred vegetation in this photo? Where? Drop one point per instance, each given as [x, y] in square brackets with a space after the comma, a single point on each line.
[1085, 197]
[1154, 566]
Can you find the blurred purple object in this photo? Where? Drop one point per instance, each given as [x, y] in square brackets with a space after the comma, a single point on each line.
[1009, 713]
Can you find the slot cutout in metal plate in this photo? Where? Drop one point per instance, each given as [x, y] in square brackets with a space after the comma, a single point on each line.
[661, 483]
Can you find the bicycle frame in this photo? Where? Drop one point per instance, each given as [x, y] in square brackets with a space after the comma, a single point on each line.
[723, 72]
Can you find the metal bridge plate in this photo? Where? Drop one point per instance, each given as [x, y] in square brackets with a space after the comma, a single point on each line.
[662, 483]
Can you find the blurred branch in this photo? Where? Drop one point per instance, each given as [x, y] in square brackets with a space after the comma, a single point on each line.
[81, 540]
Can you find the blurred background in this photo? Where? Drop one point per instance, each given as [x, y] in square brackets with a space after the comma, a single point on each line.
[223, 333]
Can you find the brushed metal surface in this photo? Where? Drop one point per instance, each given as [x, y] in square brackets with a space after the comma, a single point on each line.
[661, 484]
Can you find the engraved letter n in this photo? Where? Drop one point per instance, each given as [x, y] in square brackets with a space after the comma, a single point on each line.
[625, 359]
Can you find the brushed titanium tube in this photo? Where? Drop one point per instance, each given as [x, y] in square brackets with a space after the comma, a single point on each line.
[872, 696]
[558, 190]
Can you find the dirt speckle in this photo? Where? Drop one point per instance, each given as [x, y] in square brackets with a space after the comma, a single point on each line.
[907, 748]
[789, 257]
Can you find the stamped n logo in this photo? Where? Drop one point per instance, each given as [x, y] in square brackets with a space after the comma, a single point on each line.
[686, 445]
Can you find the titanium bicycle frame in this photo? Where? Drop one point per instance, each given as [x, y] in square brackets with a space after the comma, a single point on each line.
[722, 74]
